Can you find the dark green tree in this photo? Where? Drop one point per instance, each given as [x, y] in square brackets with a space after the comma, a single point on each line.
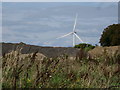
[111, 36]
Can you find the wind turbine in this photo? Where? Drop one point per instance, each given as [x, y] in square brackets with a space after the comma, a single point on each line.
[74, 33]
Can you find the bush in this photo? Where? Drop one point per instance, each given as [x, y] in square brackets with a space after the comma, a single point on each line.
[84, 46]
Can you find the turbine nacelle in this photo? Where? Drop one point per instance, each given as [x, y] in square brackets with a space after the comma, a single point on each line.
[74, 32]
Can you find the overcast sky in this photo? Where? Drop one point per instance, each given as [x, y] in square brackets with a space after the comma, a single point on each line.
[41, 23]
[60, 0]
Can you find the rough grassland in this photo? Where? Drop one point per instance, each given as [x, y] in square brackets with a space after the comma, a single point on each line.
[37, 71]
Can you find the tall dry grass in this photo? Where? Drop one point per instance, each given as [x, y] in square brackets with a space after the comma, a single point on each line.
[61, 72]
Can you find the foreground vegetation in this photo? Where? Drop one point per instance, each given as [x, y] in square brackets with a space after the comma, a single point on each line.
[60, 72]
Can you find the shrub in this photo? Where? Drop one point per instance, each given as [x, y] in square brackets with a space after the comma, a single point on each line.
[84, 46]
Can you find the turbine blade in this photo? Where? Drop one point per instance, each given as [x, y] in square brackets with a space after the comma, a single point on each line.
[78, 37]
[65, 35]
[75, 23]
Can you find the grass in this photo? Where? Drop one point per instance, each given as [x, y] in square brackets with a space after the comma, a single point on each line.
[60, 72]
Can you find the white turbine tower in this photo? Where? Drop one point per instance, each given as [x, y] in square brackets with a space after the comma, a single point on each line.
[74, 33]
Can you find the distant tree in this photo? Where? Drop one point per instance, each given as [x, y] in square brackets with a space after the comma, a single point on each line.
[111, 36]
[22, 43]
[84, 46]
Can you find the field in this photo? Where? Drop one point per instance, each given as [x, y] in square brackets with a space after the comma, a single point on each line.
[37, 71]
